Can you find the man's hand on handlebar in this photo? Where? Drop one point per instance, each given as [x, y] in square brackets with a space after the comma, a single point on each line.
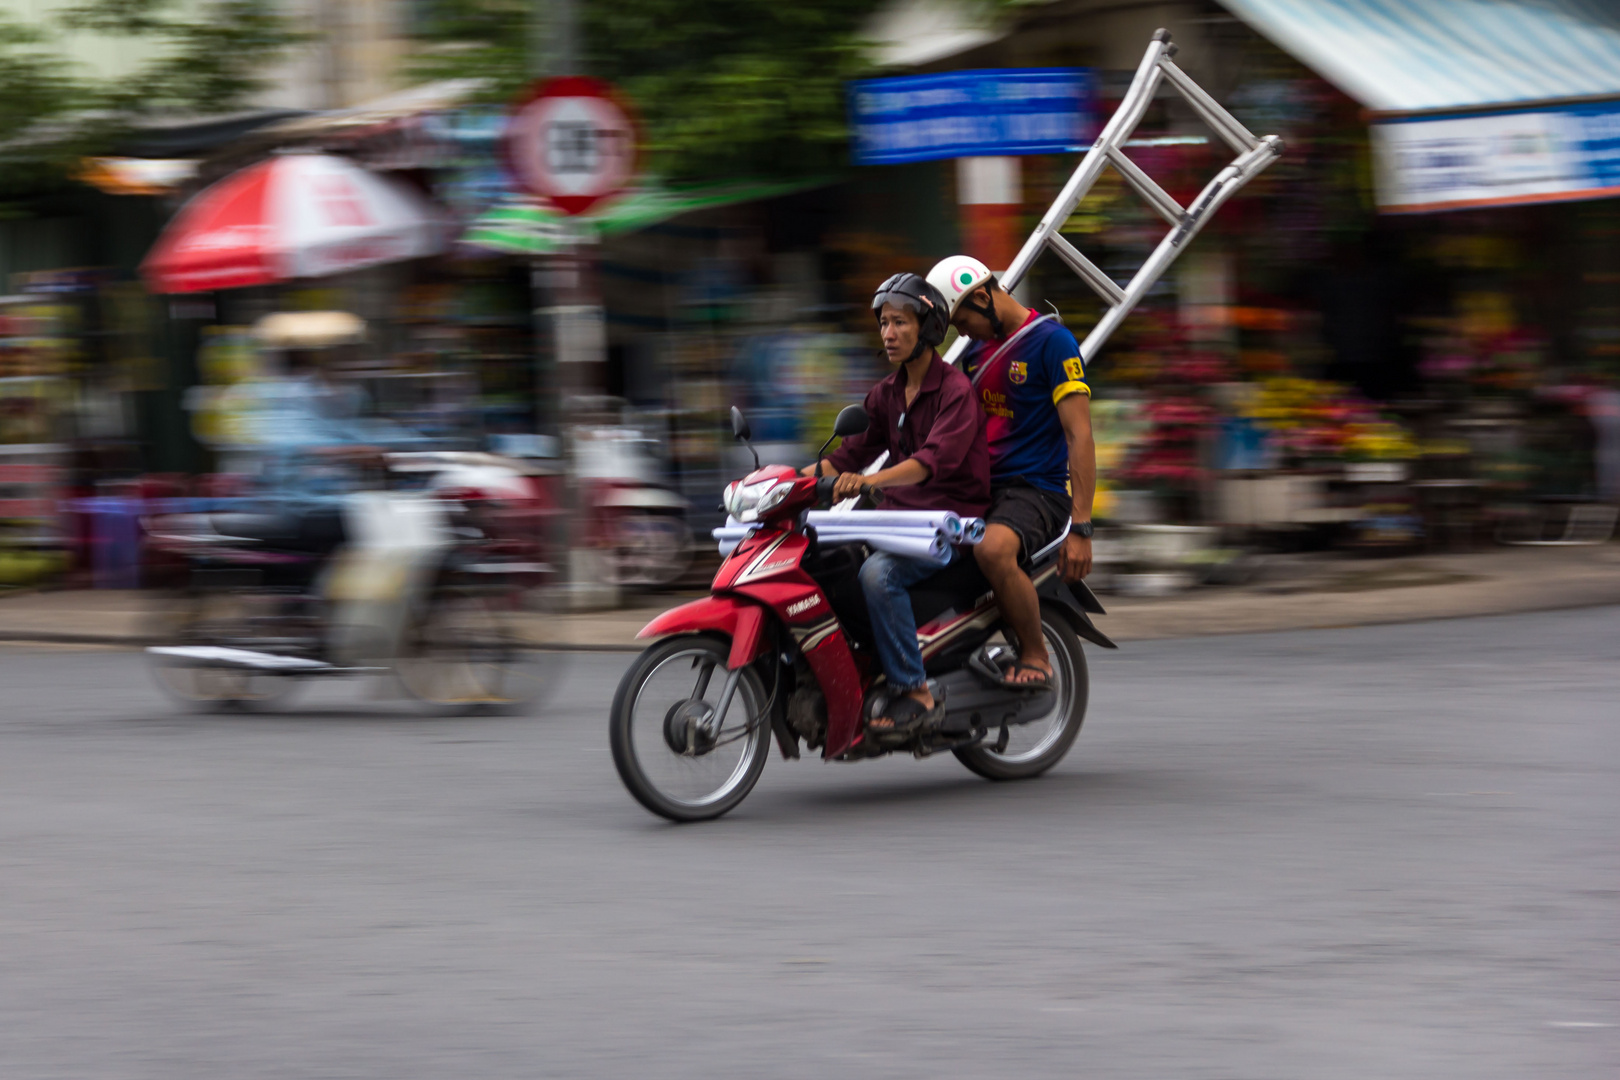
[849, 486]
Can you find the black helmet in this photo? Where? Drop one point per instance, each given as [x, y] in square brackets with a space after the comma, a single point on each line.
[913, 291]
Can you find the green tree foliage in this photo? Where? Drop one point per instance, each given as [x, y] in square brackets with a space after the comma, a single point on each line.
[210, 59]
[205, 60]
[727, 88]
[35, 83]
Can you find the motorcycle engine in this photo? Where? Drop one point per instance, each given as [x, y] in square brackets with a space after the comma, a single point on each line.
[807, 713]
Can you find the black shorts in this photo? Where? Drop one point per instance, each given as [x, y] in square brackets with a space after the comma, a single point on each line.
[1035, 514]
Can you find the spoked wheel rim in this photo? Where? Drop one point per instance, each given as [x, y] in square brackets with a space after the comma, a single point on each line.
[467, 653]
[1029, 741]
[671, 737]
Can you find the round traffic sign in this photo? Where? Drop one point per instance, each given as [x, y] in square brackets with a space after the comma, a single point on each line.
[572, 141]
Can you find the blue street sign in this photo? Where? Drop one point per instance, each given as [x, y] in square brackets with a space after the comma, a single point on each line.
[1002, 111]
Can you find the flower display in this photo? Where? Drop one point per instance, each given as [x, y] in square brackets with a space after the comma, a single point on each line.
[1313, 420]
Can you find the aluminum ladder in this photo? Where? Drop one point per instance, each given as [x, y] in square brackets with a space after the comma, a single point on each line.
[1253, 155]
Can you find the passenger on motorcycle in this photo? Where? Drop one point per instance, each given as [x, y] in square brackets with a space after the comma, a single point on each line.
[1029, 378]
[925, 416]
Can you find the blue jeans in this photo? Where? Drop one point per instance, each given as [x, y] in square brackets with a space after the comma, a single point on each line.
[884, 580]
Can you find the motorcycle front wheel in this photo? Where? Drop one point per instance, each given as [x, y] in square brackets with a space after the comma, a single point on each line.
[230, 619]
[675, 755]
[1036, 746]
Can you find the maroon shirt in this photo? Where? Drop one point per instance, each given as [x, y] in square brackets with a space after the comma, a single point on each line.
[943, 429]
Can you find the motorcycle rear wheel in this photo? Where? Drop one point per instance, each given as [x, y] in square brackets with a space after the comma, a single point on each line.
[665, 701]
[649, 551]
[470, 653]
[1035, 747]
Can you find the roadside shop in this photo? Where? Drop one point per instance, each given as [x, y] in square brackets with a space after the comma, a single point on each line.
[1340, 360]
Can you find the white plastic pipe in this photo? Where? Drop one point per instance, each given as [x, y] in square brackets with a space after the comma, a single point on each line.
[933, 519]
[937, 551]
[827, 532]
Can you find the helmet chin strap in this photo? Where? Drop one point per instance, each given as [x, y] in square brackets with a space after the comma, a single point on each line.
[989, 313]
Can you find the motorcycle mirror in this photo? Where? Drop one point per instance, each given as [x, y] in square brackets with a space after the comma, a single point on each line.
[741, 432]
[852, 420]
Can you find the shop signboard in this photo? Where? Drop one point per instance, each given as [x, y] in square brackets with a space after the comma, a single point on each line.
[1456, 162]
[573, 142]
[999, 112]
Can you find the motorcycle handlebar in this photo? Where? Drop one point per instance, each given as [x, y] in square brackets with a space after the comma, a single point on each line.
[824, 490]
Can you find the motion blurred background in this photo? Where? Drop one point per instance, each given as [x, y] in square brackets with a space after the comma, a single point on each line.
[1405, 336]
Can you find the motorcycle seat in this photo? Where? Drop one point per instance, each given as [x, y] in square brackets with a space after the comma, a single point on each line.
[957, 587]
[316, 530]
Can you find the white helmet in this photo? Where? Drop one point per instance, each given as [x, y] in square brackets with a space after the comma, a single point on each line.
[957, 276]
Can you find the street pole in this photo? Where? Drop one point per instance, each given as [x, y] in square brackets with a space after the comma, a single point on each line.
[573, 319]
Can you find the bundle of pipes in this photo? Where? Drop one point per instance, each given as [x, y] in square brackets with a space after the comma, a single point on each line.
[917, 534]
[957, 529]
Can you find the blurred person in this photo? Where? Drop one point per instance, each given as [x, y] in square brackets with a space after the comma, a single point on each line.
[925, 417]
[313, 445]
[1028, 376]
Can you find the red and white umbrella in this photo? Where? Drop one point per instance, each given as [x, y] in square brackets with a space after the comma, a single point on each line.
[293, 216]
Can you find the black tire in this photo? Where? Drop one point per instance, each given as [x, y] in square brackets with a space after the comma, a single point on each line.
[1051, 741]
[639, 730]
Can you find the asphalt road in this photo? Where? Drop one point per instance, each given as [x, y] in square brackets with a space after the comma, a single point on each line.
[1382, 852]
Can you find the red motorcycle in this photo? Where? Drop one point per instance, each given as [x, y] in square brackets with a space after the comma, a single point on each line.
[786, 630]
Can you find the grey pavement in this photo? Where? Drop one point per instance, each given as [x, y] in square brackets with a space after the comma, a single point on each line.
[1286, 593]
[1376, 852]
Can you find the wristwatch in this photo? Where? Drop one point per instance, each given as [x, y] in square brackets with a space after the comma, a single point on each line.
[1081, 528]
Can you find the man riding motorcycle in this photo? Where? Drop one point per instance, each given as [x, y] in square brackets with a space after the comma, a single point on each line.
[1029, 378]
[924, 415]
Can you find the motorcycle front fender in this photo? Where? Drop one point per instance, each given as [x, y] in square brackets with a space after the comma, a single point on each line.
[743, 621]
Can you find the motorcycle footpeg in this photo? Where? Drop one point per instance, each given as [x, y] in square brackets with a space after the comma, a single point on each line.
[986, 663]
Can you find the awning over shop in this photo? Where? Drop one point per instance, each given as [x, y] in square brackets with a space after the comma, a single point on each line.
[1475, 102]
[1403, 56]
[380, 112]
[519, 225]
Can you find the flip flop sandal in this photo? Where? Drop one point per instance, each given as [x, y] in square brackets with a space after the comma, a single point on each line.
[905, 715]
[1043, 682]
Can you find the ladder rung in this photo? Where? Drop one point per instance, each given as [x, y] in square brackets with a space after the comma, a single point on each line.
[1223, 123]
[1092, 274]
[1145, 186]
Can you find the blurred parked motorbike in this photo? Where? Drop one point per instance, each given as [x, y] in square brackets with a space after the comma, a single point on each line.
[637, 522]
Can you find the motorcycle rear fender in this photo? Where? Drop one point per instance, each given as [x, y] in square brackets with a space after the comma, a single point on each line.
[1056, 590]
[741, 620]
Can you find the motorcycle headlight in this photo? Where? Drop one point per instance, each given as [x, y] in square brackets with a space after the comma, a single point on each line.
[746, 502]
